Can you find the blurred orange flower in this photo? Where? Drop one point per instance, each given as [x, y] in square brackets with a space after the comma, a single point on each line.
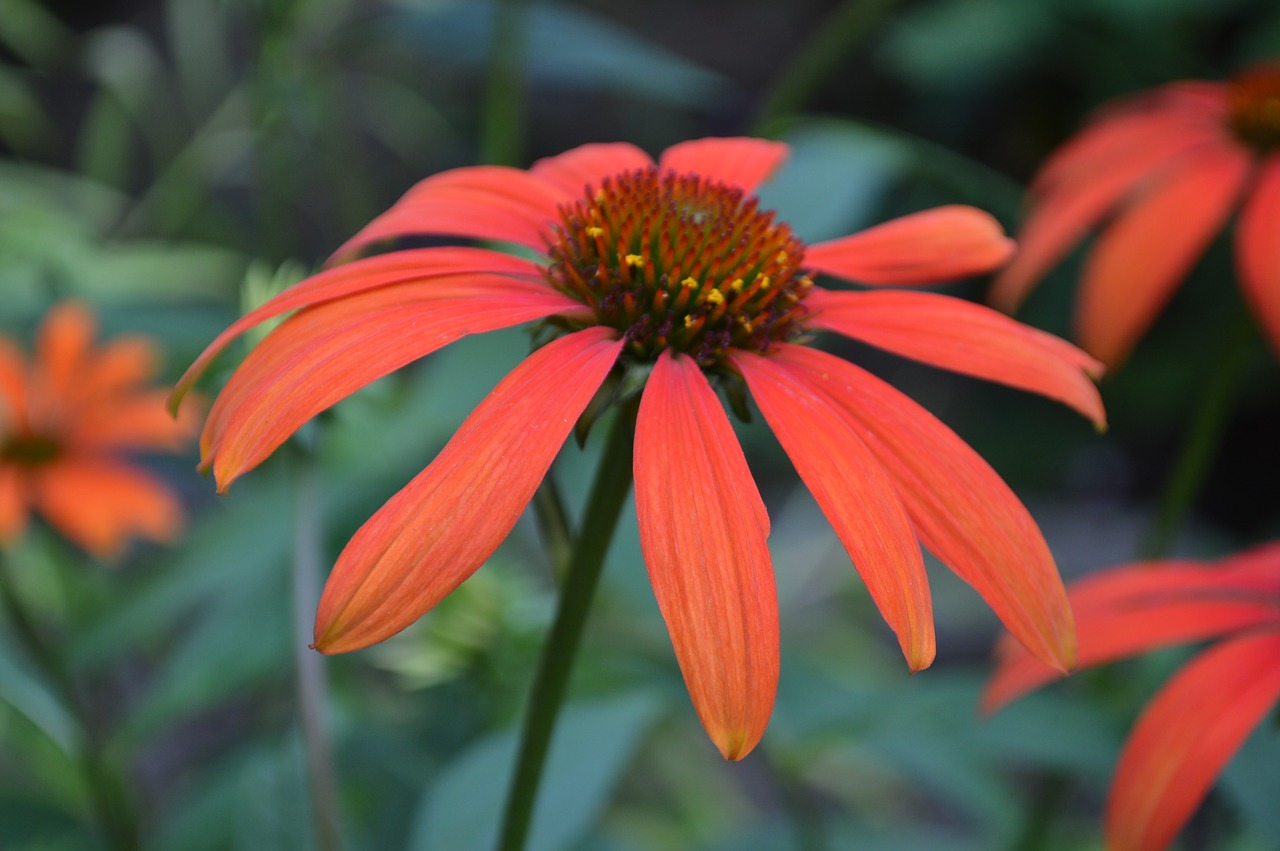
[65, 419]
[670, 274]
[1172, 164]
[1200, 718]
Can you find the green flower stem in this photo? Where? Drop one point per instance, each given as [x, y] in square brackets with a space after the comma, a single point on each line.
[1204, 436]
[312, 688]
[604, 507]
[831, 42]
[502, 136]
[553, 524]
[108, 798]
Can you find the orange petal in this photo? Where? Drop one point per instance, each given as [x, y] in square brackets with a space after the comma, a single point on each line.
[1186, 736]
[400, 267]
[481, 202]
[13, 504]
[325, 353]
[1141, 258]
[444, 524]
[13, 384]
[960, 508]
[737, 161]
[941, 244]
[964, 337]
[137, 421]
[62, 349]
[703, 529]
[100, 505]
[1258, 250]
[854, 492]
[573, 171]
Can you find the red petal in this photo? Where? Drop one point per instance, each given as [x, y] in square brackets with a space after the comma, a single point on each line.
[941, 244]
[137, 421]
[702, 530]
[400, 267]
[575, 170]
[740, 161]
[1185, 738]
[960, 508]
[444, 524]
[964, 337]
[100, 504]
[854, 492]
[325, 353]
[481, 202]
[1258, 250]
[1141, 258]
[13, 384]
[63, 346]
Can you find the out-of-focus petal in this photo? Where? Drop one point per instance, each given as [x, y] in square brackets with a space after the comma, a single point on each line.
[1141, 257]
[1185, 738]
[13, 384]
[63, 345]
[702, 529]
[737, 161]
[962, 511]
[101, 504]
[323, 354]
[964, 337]
[935, 245]
[573, 171]
[481, 202]
[400, 267]
[137, 421]
[1258, 250]
[444, 524]
[13, 504]
[854, 492]
[119, 366]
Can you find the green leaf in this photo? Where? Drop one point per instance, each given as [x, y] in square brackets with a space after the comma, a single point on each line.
[26, 692]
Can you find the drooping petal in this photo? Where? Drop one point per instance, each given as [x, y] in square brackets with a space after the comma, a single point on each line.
[962, 511]
[480, 202]
[1139, 259]
[1258, 250]
[445, 523]
[574, 170]
[323, 354]
[100, 504]
[935, 245]
[702, 529]
[13, 504]
[964, 337]
[399, 267]
[1185, 738]
[737, 161]
[854, 493]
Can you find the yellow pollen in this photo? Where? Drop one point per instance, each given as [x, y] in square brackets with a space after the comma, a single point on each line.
[782, 257]
[634, 260]
[715, 296]
[737, 285]
[595, 232]
[764, 282]
[689, 282]
[688, 321]
[747, 326]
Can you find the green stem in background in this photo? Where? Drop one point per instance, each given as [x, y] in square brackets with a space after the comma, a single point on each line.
[830, 43]
[554, 527]
[502, 133]
[604, 507]
[106, 788]
[312, 688]
[1204, 436]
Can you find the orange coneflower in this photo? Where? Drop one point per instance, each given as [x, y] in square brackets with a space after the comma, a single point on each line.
[1172, 164]
[670, 275]
[1202, 716]
[65, 419]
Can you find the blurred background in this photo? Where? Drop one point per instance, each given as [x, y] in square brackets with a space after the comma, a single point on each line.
[172, 162]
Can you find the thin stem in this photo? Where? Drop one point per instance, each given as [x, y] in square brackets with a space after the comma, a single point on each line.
[108, 798]
[553, 524]
[830, 43]
[604, 507]
[502, 136]
[312, 688]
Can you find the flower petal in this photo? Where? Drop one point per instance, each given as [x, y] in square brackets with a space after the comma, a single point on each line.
[400, 267]
[444, 524]
[63, 346]
[136, 421]
[1185, 738]
[962, 511]
[13, 384]
[702, 530]
[323, 354]
[1140, 258]
[854, 492]
[573, 171]
[481, 202]
[1258, 250]
[737, 161]
[935, 245]
[100, 504]
[964, 337]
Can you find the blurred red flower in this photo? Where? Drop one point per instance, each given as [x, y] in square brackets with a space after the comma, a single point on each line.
[1172, 165]
[66, 418]
[1189, 732]
[668, 272]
